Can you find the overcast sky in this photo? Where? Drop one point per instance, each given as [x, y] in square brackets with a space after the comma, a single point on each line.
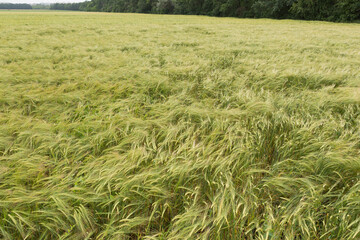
[39, 1]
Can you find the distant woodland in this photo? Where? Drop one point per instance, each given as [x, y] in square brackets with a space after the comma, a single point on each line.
[329, 10]
[15, 6]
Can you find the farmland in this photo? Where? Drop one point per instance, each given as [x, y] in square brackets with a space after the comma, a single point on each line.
[134, 126]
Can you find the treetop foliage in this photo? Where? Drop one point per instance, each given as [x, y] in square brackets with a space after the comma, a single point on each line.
[15, 6]
[329, 10]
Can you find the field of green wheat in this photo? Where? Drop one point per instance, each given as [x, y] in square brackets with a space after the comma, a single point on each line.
[130, 126]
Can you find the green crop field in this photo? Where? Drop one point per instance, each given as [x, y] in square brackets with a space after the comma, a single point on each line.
[131, 126]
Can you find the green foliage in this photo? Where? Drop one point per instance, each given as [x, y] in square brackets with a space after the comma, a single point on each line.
[272, 8]
[134, 126]
[332, 10]
[164, 6]
[15, 6]
[40, 6]
[69, 6]
[313, 9]
[329, 10]
[347, 10]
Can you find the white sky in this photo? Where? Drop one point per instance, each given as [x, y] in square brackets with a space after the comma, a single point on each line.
[39, 1]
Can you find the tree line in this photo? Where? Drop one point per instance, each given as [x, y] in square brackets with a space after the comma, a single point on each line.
[329, 10]
[70, 6]
[15, 6]
[40, 6]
